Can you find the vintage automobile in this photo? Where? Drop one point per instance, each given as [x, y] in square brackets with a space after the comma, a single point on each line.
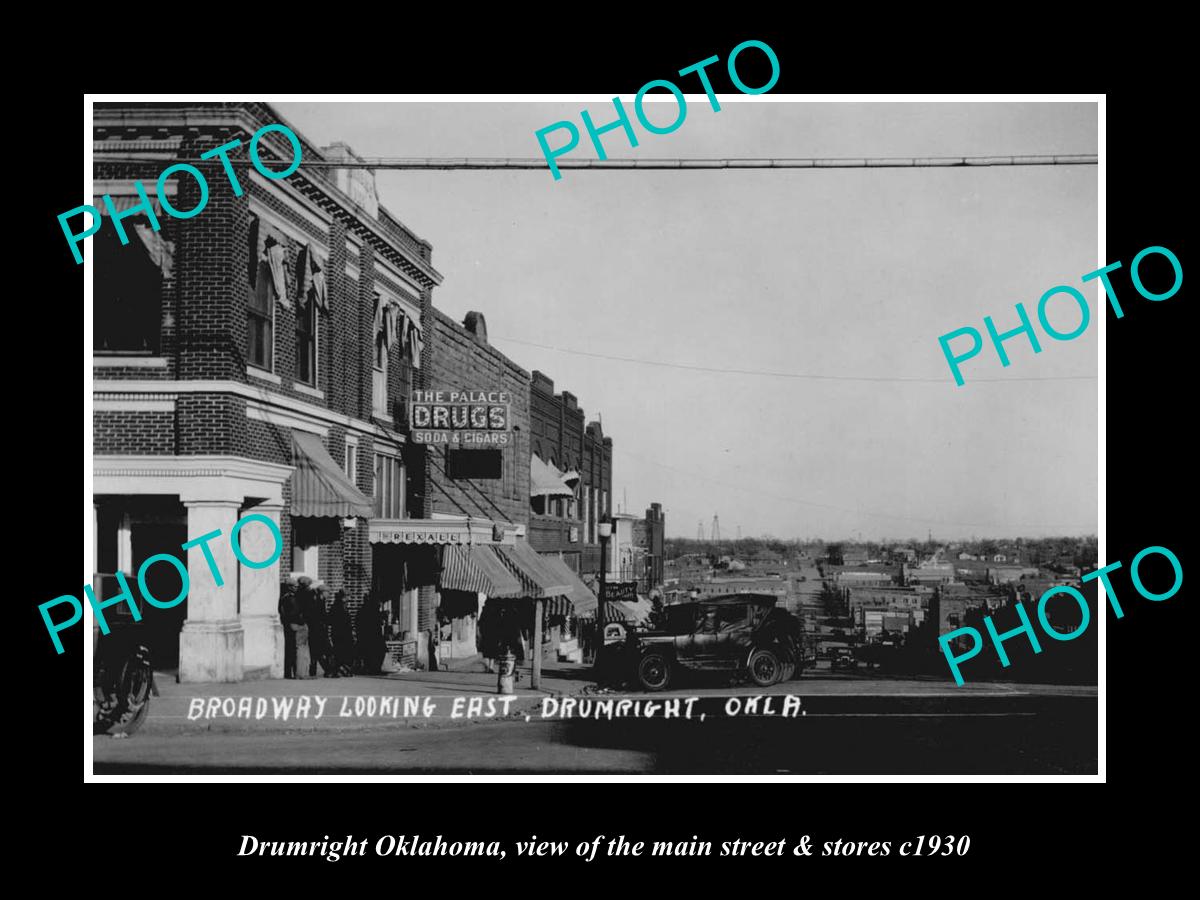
[122, 674]
[744, 634]
[844, 660]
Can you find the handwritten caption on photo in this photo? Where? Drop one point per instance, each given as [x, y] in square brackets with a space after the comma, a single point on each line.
[315, 707]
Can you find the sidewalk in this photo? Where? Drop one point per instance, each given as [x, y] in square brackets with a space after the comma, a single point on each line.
[409, 699]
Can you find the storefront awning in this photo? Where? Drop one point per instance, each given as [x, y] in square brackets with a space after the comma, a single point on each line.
[319, 487]
[580, 594]
[545, 479]
[477, 570]
[618, 611]
[538, 579]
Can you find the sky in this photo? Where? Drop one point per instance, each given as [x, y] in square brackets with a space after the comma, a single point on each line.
[764, 275]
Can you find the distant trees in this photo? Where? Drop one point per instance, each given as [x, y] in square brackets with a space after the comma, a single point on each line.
[745, 547]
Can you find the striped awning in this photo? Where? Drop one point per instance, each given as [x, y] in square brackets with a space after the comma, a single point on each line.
[616, 611]
[477, 570]
[319, 486]
[580, 595]
[538, 579]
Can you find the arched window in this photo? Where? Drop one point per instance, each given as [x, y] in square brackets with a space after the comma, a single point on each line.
[380, 375]
[266, 254]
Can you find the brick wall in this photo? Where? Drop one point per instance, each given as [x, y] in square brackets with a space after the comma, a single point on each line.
[119, 432]
[459, 359]
[558, 435]
[204, 321]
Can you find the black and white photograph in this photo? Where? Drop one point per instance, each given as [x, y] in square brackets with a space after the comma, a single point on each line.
[677, 434]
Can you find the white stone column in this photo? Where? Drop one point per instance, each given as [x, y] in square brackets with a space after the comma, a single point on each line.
[211, 642]
[125, 545]
[260, 594]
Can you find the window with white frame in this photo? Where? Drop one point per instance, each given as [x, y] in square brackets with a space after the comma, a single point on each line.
[389, 487]
[268, 281]
[351, 465]
[379, 383]
[306, 343]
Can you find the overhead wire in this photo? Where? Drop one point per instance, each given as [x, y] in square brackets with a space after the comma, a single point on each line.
[766, 373]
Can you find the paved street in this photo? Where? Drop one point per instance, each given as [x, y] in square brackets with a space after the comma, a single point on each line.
[833, 724]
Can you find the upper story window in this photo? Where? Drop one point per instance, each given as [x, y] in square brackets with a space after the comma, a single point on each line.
[352, 461]
[268, 282]
[306, 344]
[389, 487]
[128, 285]
[311, 280]
[379, 383]
[394, 328]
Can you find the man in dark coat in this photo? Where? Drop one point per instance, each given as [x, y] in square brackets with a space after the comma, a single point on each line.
[313, 611]
[303, 604]
[289, 618]
[371, 646]
[341, 635]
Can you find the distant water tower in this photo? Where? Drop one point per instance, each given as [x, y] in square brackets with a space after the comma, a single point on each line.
[716, 529]
[700, 531]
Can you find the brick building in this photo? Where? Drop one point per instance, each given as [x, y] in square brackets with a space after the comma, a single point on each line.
[571, 478]
[649, 536]
[253, 359]
[870, 608]
[257, 358]
[487, 489]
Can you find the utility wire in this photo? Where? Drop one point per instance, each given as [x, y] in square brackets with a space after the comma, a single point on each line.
[479, 163]
[768, 374]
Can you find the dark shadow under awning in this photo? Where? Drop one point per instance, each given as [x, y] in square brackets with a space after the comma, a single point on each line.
[319, 486]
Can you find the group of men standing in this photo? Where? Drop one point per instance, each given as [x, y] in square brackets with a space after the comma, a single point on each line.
[316, 634]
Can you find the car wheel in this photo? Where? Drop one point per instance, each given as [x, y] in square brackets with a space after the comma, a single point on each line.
[654, 671]
[764, 668]
[127, 701]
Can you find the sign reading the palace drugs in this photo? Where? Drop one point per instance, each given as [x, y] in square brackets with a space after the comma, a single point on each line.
[463, 418]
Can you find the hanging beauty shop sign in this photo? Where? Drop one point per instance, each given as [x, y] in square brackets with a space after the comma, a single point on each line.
[460, 418]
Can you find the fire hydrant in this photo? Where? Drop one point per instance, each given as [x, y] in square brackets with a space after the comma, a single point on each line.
[506, 666]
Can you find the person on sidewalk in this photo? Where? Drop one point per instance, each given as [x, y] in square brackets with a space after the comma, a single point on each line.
[313, 612]
[371, 646]
[304, 595]
[341, 636]
[485, 636]
[289, 618]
